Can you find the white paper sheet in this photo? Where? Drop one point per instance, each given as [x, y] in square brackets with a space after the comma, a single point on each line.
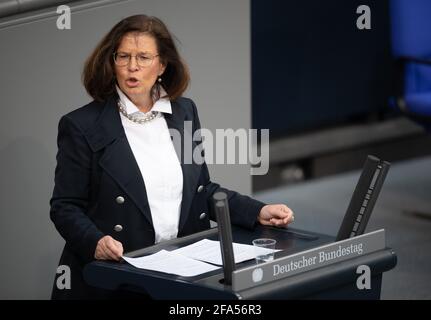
[209, 251]
[171, 262]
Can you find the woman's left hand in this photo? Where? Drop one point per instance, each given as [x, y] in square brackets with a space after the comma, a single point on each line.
[278, 215]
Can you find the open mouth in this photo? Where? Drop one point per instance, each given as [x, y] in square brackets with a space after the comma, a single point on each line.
[132, 82]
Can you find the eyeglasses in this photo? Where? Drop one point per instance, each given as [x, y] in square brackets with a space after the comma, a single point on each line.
[122, 59]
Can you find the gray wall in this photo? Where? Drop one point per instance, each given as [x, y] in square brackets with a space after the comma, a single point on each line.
[40, 81]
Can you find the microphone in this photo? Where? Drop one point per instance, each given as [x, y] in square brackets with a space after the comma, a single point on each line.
[221, 207]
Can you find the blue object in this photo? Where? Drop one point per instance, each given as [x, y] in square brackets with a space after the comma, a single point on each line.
[411, 47]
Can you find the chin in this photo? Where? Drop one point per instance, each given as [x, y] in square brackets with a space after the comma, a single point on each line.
[133, 91]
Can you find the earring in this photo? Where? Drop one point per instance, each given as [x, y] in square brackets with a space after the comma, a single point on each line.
[159, 79]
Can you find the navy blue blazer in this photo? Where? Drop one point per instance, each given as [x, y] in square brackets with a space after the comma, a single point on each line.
[95, 166]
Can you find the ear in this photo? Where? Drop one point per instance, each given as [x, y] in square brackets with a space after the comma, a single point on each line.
[162, 68]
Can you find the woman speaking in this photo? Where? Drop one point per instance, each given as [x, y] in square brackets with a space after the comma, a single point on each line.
[119, 182]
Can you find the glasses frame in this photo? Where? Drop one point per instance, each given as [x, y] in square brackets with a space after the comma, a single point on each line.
[114, 55]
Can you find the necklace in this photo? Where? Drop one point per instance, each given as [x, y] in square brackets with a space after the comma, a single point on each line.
[137, 118]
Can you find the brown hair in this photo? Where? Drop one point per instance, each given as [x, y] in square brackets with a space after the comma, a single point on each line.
[98, 75]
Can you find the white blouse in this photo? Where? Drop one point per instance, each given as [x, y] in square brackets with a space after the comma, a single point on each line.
[159, 165]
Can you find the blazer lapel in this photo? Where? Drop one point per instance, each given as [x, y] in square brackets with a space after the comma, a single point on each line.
[119, 162]
[118, 159]
[191, 171]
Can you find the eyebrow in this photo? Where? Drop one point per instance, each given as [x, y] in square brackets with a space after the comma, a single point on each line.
[141, 52]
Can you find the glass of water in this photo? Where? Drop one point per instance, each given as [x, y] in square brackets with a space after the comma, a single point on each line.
[264, 249]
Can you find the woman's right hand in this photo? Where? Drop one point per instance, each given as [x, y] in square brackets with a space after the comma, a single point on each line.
[108, 249]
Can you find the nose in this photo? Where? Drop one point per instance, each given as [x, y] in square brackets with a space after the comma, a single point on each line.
[133, 64]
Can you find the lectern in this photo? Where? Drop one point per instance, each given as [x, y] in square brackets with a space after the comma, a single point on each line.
[337, 280]
[309, 266]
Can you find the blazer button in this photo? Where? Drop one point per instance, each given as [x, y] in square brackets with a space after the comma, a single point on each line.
[200, 188]
[118, 228]
[202, 216]
[119, 200]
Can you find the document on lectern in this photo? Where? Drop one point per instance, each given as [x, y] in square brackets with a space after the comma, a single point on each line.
[209, 251]
[191, 260]
[171, 262]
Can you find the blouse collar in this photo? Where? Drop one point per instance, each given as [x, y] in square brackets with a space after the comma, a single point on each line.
[161, 105]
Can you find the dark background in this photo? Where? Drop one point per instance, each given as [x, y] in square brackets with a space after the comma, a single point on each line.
[322, 86]
[312, 67]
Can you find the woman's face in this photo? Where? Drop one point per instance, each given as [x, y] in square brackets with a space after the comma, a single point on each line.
[133, 79]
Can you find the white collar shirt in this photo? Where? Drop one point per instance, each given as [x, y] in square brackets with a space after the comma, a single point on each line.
[158, 162]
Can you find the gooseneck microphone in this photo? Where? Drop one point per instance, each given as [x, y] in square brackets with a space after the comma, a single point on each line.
[221, 208]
